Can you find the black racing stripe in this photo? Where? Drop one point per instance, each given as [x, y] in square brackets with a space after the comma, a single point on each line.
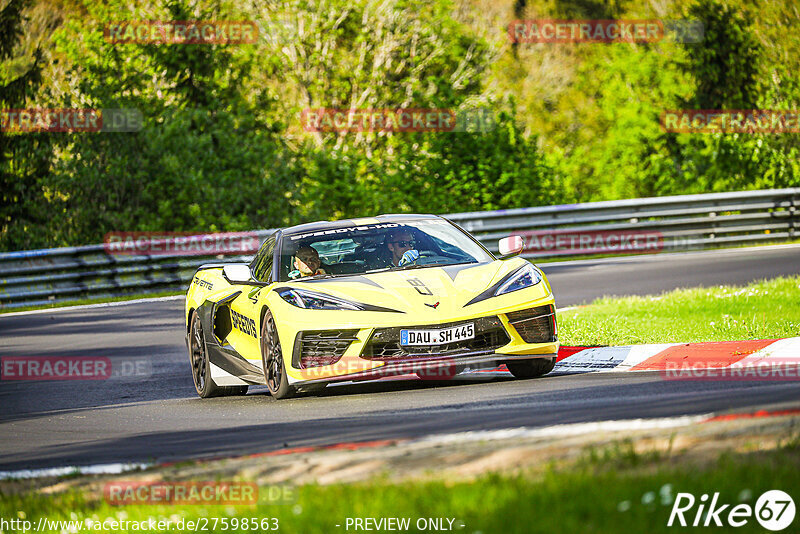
[489, 293]
[453, 270]
[230, 361]
[210, 266]
[366, 307]
[359, 279]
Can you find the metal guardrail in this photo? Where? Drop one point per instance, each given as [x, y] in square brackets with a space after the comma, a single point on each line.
[686, 222]
[33, 277]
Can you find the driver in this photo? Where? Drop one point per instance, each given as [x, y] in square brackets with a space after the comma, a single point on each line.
[306, 263]
[401, 245]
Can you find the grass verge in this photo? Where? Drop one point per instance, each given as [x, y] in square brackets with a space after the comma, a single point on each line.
[614, 490]
[96, 300]
[762, 310]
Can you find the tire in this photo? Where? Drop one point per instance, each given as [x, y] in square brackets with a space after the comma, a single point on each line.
[201, 369]
[272, 360]
[531, 368]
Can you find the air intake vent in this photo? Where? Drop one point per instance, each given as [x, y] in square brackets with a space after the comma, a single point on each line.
[315, 348]
[535, 325]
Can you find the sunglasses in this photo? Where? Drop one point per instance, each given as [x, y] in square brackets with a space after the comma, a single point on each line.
[405, 243]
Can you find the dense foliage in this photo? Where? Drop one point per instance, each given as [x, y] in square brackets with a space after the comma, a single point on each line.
[222, 145]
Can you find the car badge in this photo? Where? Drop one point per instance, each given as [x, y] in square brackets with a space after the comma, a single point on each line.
[432, 305]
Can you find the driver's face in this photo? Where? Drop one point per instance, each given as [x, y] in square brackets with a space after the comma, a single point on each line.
[303, 267]
[399, 244]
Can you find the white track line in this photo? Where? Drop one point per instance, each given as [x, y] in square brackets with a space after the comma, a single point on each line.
[568, 430]
[555, 431]
[101, 469]
[90, 306]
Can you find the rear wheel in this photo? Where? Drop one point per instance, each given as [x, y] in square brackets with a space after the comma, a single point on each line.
[272, 360]
[201, 368]
[531, 368]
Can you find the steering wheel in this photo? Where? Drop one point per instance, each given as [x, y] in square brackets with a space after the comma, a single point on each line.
[424, 254]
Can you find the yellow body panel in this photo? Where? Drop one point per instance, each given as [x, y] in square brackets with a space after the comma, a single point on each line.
[391, 289]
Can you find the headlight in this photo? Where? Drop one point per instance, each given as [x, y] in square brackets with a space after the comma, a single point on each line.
[316, 301]
[527, 276]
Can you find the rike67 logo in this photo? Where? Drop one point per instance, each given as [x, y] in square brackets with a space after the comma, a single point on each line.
[774, 510]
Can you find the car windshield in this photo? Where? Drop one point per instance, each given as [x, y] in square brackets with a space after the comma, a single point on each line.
[362, 249]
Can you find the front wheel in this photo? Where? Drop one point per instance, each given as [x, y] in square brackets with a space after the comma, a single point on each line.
[272, 360]
[531, 368]
[201, 368]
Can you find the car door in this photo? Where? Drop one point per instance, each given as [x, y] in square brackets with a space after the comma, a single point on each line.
[246, 310]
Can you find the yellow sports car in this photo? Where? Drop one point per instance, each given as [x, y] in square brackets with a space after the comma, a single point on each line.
[364, 299]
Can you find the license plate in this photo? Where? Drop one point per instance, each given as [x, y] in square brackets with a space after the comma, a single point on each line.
[439, 336]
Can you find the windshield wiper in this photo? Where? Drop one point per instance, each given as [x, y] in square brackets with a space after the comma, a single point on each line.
[382, 269]
[315, 277]
[414, 266]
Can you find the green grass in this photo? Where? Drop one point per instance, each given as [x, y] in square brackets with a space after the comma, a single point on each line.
[97, 300]
[762, 310]
[605, 493]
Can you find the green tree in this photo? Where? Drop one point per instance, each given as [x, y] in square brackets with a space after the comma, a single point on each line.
[207, 157]
[24, 156]
[727, 64]
[729, 72]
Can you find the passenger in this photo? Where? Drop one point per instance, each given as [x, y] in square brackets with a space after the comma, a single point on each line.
[306, 263]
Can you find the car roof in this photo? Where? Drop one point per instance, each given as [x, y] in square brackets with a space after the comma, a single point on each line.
[362, 221]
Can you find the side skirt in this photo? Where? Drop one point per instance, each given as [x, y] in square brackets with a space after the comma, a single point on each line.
[230, 364]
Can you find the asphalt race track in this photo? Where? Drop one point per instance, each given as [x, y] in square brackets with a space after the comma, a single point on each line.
[159, 417]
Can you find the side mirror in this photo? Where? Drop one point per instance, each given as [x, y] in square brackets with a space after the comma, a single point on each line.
[511, 246]
[237, 273]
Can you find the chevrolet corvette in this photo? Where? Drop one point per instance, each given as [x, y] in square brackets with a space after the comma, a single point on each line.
[383, 296]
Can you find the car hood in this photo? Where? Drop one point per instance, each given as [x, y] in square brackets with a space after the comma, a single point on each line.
[417, 291]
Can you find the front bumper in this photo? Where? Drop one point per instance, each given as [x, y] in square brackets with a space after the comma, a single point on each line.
[368, 353]
[431, 368]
